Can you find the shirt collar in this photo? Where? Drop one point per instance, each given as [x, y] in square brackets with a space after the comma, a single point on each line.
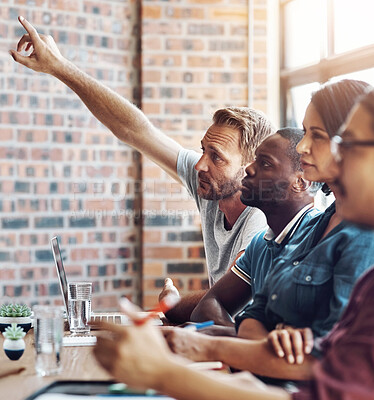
[269, 235]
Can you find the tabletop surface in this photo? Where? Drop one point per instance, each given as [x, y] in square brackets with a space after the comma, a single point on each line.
[78, 364]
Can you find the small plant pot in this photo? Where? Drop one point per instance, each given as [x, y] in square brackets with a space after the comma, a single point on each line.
[23, 322]
[14, 348]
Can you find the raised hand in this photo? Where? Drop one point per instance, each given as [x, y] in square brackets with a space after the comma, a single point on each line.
[168, 289]
[44, 57]
[291, 343]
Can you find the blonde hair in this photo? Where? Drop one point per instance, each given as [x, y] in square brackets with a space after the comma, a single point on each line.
[253, 125]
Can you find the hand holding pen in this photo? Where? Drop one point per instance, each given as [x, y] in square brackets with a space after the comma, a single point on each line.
[139, 318]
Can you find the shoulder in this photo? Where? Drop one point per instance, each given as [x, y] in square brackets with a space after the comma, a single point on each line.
[365, 284]
[254, 219]
[257, 242]
[186, 171]
[356, 234]
[187, 159]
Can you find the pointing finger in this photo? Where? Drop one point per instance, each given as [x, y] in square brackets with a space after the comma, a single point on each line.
[34, 36]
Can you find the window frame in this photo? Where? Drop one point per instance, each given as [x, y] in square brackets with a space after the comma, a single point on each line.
[327, 67]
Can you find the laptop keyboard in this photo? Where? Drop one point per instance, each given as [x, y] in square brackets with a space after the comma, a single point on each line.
[88, 340]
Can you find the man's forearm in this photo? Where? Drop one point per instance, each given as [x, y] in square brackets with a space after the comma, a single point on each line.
[227, 297]
[211, 385]
[182, 311]
[107, 106]
[211, 308]
[124, 119]
[252, 329]
[255, 356]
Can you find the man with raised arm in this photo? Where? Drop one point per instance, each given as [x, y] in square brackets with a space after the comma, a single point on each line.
[213, 179]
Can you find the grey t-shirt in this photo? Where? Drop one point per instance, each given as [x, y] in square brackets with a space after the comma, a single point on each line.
[221, 246]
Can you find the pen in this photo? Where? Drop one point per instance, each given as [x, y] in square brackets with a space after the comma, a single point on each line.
[164, 306]
[198, 326]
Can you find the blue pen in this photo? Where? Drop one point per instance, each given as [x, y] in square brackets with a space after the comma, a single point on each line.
[199, 325]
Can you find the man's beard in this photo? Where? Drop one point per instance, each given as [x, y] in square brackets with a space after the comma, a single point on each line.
[267, 195]
[220, 190]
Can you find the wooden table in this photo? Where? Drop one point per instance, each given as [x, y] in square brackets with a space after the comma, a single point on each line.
[78, 364]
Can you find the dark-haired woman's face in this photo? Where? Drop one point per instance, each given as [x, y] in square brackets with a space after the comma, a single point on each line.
[355, 183]
[316, 158]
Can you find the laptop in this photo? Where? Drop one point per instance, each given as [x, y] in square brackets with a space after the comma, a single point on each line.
[113, 317]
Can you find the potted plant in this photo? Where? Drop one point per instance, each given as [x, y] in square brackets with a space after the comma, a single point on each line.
[15, 313]
[14, 345]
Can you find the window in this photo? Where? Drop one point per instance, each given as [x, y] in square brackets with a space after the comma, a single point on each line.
[322, 40]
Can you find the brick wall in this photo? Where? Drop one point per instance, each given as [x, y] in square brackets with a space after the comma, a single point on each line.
[63, 173]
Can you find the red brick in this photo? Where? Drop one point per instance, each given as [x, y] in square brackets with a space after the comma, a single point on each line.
[163, 252]
[185, 13]
[185, 77]
[151, 43]
[6, 134]
[234, 14]
[7, 274]
[84, 254]
[205, 93]
[205, 1]
[198, 61]
[151, 108]
[65, 5]
[172, 60]
[149, 11]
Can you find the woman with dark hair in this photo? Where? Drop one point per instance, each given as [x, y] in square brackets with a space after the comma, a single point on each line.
[310, 282]
[332, 102]
[140, 357]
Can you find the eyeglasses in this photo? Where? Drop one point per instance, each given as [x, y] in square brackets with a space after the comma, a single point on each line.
[337, 144]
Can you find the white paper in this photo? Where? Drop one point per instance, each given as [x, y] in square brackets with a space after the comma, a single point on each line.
[61, 396]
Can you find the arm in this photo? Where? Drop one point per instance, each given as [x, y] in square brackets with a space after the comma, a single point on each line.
[210, 385]
[291, 343]
[252, 329]
[125, 120]
[211, 309]
[182, 311]
[356, 256]
[140, 357]
[228, 296]
[256, 356]
[250, 323]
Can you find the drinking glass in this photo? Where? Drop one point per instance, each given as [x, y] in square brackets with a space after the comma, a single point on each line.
[80, 294]
[48, 330]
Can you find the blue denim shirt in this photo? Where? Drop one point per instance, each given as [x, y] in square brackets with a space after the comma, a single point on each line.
[310, 282]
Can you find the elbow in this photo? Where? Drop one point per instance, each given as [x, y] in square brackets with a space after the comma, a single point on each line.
[198, 314]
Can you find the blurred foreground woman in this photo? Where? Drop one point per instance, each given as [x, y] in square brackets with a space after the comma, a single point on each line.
[140, 357]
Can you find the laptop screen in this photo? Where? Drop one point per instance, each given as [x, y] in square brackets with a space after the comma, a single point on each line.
[60, 271]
